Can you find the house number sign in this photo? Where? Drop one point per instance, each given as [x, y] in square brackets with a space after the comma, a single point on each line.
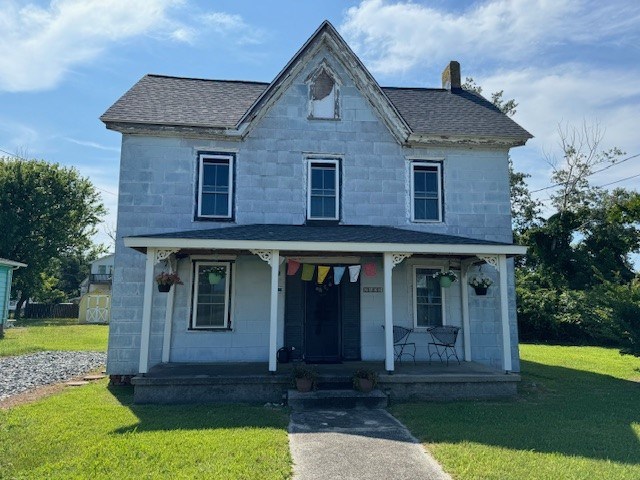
[372, 289]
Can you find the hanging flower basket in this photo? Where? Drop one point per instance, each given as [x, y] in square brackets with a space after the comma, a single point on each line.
[445, 278]
[166, 280]
[480, 284]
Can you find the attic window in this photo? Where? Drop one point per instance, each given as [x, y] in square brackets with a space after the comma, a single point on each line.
[323, 93]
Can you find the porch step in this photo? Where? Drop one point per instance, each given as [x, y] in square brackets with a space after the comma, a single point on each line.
[336, 399]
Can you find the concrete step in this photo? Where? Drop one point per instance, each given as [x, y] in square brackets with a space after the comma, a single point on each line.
[335, 399]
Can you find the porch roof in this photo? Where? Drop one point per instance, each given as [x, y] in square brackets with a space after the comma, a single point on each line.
[328, 238]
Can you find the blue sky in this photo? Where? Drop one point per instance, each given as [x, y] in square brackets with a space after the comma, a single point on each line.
[62, 63]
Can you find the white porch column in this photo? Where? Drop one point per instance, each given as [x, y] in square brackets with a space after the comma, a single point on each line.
[466, 324]
[504, 313]
[388, 313]
[273, 317]
[168, 317]
[272, 257]
[143, 365]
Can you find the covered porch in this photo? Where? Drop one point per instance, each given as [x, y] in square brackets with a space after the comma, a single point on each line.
[273, 243]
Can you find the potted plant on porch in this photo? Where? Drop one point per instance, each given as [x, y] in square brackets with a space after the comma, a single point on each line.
[365, 379]
[304, 378]
[166, 280]
[480, 284]
[445, 278]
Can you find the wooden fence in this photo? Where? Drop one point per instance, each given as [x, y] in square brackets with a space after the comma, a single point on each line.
[61, 310]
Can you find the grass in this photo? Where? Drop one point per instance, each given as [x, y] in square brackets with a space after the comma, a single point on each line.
[97, 432]
[577, 417]
[29, 336]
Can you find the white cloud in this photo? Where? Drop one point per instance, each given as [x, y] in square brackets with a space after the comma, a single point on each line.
[90, 144]
[394, 37]
[38, 46]
[571, 94]
[233, 27]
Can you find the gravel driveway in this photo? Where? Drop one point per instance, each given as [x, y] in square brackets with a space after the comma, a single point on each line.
[25, 372]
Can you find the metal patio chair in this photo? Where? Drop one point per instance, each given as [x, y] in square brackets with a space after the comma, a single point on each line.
[401, 344]
[444, 342]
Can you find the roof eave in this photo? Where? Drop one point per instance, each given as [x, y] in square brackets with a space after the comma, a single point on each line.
[12, 263]
[139, 243]
[170, 130]
[468, 140]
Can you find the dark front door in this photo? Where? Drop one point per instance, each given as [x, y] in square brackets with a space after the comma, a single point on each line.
[322, 326]
[322, 323]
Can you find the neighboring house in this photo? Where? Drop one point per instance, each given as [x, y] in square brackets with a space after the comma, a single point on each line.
[95, 290]
[6, 275]
[100, 276]
[264, 184]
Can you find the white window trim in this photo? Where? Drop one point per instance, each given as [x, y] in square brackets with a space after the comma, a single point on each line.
[201, 161]
[415, 296]
[438, 166]
[227, 296]
[336, 164]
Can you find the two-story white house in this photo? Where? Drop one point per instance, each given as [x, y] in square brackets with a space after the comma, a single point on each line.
[309, 212]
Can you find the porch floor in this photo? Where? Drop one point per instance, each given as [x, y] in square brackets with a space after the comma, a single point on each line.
[439, 371]
[251, 382]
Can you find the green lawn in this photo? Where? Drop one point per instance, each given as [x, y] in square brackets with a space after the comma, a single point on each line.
[95, 432]
[30, 336]
[577, 417]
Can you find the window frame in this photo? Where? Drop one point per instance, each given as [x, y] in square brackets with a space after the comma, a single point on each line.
[202, 158]
[327, 161]
[438, 166]
[310, 81]
[227, 295]
[415, 296]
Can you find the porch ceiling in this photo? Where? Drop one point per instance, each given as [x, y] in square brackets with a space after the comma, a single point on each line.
[322, 238]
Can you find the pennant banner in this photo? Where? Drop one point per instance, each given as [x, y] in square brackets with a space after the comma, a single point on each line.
[322, 274]
[370, 269]
[354, 273]
[307, 272]
[338, 272]
[292, 267]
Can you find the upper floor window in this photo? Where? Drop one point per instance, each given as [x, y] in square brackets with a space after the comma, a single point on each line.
[323, 95]
[215, 186]
[323, 190]
[426, 192]
[428, 300]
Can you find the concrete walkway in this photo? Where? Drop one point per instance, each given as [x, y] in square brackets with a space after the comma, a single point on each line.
[357, 444]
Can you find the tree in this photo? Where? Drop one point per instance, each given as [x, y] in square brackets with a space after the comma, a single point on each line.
[46, 211]
[581, 154]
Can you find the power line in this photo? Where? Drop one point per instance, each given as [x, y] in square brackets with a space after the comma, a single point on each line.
[592, 173]
[22, 158]
[621, 180]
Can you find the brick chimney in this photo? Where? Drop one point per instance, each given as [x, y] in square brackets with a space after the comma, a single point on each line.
[451, 76]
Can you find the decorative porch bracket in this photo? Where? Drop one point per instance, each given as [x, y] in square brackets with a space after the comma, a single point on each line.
[491, 260]
[265, 255]
[397, 258]
[272, 257]
[164, 253]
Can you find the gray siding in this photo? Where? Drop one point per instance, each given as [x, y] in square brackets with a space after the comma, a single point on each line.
[158, 188]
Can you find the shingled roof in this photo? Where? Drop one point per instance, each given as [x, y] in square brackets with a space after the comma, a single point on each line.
[162, 100]
[322, 234]
[220, 104]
